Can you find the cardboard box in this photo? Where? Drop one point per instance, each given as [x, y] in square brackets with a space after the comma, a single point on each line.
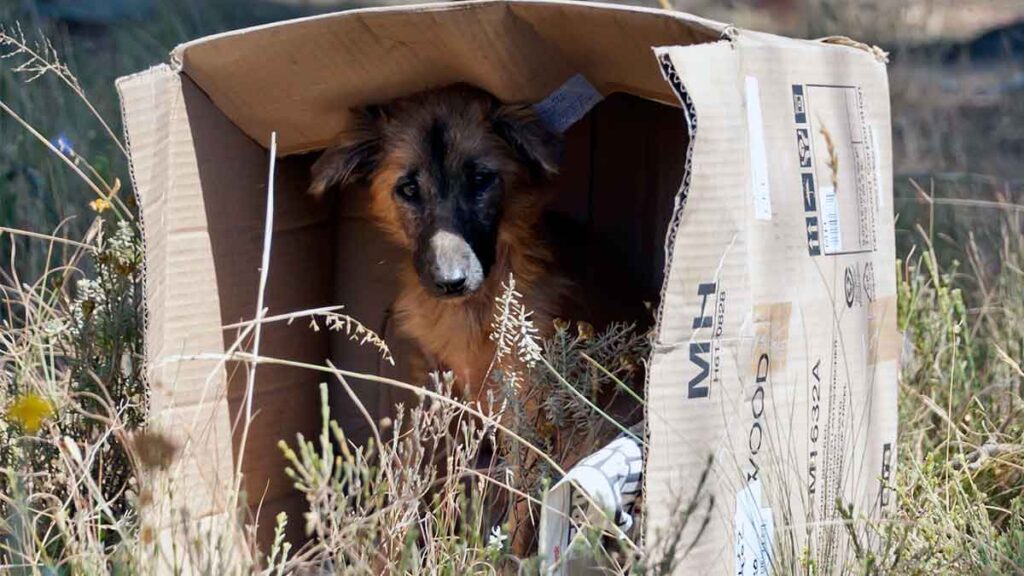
[741, 179]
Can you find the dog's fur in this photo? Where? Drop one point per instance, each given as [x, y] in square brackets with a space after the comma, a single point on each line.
[454, 178]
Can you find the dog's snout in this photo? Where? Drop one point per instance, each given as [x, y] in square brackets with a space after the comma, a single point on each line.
[449, 267]
[451, 286]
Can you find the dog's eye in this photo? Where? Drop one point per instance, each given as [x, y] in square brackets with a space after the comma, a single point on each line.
[408, 190]
[482, 180]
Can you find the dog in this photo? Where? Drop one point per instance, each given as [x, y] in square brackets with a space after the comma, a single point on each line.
[456, 179]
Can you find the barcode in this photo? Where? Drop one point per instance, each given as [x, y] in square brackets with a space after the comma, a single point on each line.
[830, 220]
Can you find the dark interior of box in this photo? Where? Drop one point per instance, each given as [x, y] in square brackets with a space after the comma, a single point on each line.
[612, 205]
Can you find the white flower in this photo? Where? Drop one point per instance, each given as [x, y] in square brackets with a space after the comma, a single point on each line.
[512, 329]
[53, 327]
[497, 538]
[527, 346]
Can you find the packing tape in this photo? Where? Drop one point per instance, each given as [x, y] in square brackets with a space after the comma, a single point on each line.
[567, 105]
[885, 341]
[771, 334]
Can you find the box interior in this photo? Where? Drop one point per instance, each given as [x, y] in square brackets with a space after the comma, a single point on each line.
[612, 205]
[610, 212]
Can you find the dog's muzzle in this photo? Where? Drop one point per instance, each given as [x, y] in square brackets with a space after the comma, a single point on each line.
[452, 268]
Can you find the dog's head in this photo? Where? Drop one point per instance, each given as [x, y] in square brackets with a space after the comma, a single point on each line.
[442, 167]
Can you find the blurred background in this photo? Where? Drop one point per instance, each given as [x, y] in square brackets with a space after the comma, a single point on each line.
[957, 74]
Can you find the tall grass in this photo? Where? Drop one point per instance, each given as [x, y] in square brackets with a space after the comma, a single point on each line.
[960, 482]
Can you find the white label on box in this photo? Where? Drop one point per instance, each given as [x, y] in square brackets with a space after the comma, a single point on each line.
[833, 235]
[758, 152]
[755, 531]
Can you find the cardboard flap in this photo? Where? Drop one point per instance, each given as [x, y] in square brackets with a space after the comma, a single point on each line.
[301, 77]
[777, 358]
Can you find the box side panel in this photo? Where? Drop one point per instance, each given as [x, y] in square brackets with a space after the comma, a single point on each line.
[201, 185]
[781, 363]
[186, 395]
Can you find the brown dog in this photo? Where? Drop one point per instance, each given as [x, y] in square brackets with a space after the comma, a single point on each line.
[454, 179]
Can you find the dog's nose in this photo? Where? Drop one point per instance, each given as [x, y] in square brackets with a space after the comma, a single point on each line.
[451, 286]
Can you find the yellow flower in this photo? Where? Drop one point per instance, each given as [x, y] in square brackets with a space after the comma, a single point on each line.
[29, 411]
[100, 205]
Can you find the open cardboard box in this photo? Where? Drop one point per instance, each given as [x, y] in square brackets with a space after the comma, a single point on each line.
[740, 180]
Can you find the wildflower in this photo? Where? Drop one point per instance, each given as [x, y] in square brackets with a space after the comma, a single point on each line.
[585, 329]
[512, 329]
[560, 325]
[64, 144]
[529, 349]
[496, 540]
[53, 327]
[100, 205]
[30, 411]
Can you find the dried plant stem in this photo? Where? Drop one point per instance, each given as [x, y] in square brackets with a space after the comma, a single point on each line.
[419, 391]
[285, 317]
[48, 237]
[618, 381]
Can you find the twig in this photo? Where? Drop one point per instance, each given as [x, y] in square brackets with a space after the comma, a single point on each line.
[48, 237]
[987, 451]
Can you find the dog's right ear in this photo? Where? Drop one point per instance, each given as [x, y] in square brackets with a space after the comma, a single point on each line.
[355, 155]
[520, 128]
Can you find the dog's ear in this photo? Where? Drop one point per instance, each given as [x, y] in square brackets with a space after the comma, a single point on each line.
[519, 126]
[354, 157]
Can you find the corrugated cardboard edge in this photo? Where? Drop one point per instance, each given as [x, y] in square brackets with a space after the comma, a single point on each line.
[690, 111]
[123, 80]
[196, 488]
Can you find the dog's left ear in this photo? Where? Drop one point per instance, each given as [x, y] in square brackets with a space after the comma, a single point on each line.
[540, 148]
[354, 157]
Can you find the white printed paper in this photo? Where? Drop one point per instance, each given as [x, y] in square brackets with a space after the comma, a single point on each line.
[611, 478]
[754, 533]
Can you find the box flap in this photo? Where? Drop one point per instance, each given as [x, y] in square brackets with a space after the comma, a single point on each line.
[777, 343]
[301, 77]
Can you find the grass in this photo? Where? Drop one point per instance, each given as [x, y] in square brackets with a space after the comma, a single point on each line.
[79, 473]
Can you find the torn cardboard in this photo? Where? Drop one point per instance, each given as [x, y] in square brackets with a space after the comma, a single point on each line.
[742, 178]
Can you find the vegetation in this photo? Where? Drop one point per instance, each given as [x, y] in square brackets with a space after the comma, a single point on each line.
[79, 471]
